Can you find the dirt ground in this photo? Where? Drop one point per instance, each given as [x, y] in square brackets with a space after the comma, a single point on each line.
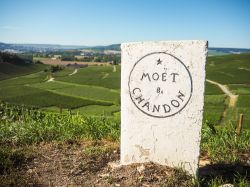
[64, 63]
[85, 164]
[232, 97]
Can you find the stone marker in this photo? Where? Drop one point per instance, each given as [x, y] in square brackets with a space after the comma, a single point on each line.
[162, 97]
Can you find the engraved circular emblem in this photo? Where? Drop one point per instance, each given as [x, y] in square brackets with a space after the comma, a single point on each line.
[160, 85]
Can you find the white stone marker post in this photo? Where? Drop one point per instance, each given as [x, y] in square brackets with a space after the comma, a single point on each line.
[162, 97]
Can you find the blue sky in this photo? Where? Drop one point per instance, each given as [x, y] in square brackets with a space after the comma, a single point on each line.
[224, 23]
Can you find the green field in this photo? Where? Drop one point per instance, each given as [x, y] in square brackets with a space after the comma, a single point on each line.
[81, 93]
[229, 69]
[89, 103]
[95, 90]
[103, 76]
[214, 107]
[12, 65]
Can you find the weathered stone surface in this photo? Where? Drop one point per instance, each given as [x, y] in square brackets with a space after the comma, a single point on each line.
[162, 96]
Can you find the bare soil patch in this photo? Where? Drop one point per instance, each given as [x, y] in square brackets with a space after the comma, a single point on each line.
[64, 63]
[51, 79]
[74, 72]
[232, 97]
[88, 164]
[82, 164]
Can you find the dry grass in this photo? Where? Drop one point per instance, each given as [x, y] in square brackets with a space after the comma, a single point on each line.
[64, 63]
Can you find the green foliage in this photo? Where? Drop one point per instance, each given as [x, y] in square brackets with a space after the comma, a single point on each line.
[97, 110]
[242, 182]
[45, 99]
[246, 116]
[19, 91]
[242, 107]
[93, 88]
[233, 115]
[12, 65]
[229, 69]
[9, 70]
[214, 108]
[23, 80]
[240, 89]
[243, 101]
[215, 99]
[63, 73]
[17, 59]
[81, 91]
[223, 145]
[68, 58]
[16, 91]
[54, 85]
[238, 181]
[212, 89]
[100, 128]
[33, 91]
[116, 59]
[56, 68]
[96, 75]
[19, 126]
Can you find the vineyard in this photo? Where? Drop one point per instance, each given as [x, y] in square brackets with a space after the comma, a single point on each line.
[69, 124]
[65, 92]
[24, 132]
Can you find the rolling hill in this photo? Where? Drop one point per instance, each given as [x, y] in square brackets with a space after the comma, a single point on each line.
[116, 47]
[12, 65]
[95, 90]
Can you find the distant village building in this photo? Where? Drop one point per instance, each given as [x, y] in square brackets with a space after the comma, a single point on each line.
[112, 52]
[55, 57]
[79, 57]
[87, 52]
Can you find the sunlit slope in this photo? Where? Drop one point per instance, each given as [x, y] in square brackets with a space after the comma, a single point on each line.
[95, 90]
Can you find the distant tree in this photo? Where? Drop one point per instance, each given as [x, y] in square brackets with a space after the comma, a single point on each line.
[17, 59]
[56, 68]
[68, 58]
[97, 59]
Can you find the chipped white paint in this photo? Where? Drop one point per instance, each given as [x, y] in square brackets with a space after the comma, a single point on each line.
[162, 96]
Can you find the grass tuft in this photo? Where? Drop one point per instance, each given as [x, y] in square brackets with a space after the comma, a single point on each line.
[223, 145]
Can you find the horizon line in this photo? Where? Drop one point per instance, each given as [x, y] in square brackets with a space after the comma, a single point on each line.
[82, 45]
